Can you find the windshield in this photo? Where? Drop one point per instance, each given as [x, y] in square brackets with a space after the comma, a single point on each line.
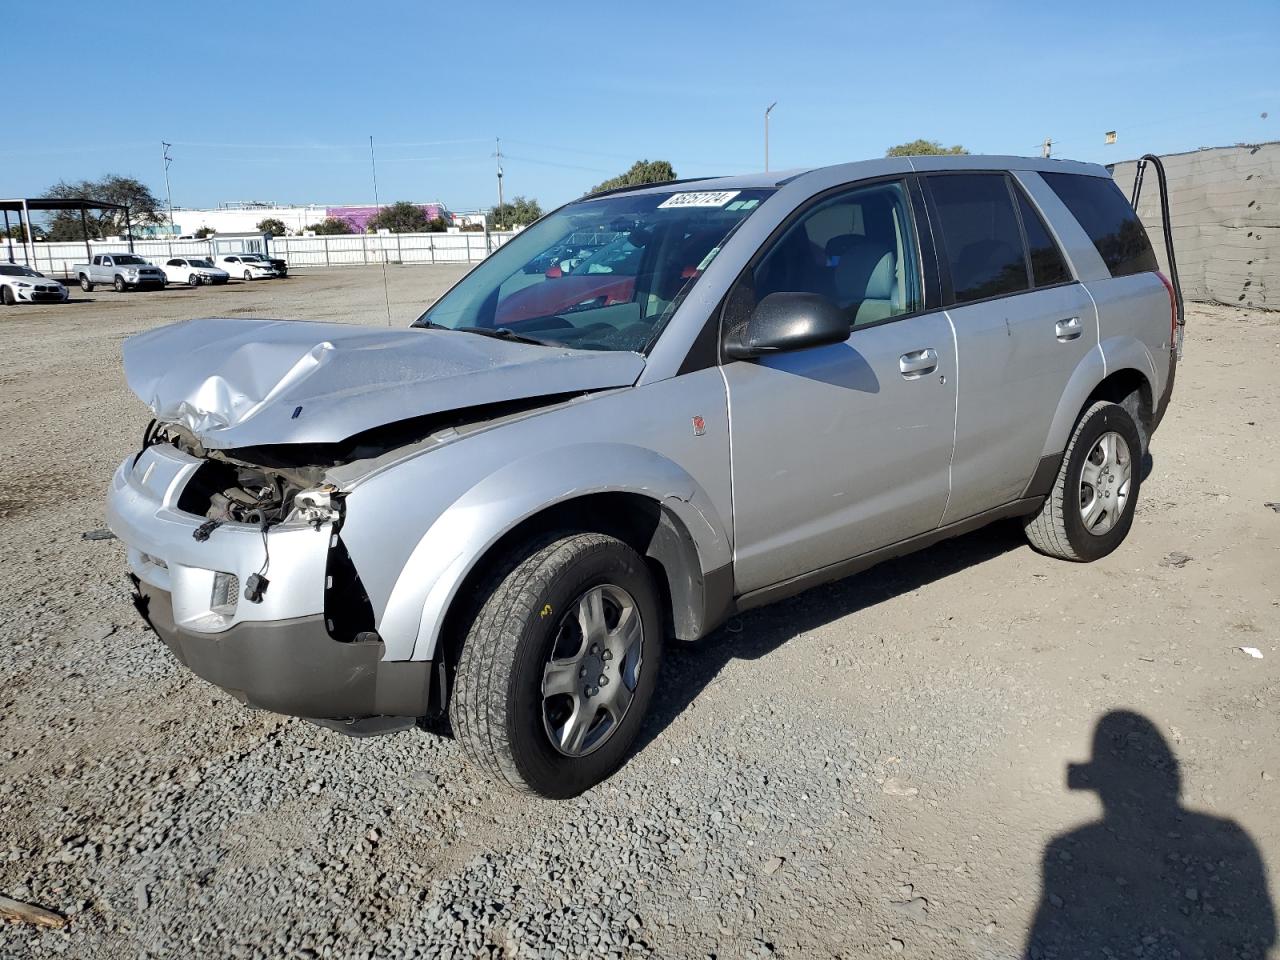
[601, 274]
[200, 263]
[13, 270]
[119, 259]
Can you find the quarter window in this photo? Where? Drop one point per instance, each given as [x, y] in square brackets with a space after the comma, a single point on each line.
[980, 235]
[1108, 219]
[857, 249]
[1047, 265]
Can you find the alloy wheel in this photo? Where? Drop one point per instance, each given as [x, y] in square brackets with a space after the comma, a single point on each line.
[1104, 483]
[593, 670]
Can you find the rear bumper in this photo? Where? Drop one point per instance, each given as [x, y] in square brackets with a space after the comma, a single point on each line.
[1163, 403]
[293, 666]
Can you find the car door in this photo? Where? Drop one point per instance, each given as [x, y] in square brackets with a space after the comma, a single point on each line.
[1022, 326]
[839, 450]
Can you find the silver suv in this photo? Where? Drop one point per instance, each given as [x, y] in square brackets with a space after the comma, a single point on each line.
[738, 388]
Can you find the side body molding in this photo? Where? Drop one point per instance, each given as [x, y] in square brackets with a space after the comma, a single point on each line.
[411, 620]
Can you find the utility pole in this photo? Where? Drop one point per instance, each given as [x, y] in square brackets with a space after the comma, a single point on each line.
[767, 111]
[373, 165]
[168, 193]
[497, 142]
[1046, 148]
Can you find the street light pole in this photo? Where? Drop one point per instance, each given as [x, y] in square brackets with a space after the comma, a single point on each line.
[167, 192]
[767, 111]
[497, 143]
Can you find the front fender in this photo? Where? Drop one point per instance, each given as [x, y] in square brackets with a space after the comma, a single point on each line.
[464, 532]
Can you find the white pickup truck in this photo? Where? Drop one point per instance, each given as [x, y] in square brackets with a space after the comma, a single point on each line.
[121, 270]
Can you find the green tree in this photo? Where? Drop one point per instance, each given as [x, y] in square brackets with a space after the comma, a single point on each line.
[17, 233]
[273, 226]
[331, 227]
[520, 212]
[641, 172]
[400, 217]
[924, 148]
[204, 232]
[144, 208]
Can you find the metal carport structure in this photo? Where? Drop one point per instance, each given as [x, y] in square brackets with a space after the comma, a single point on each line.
[24, 205]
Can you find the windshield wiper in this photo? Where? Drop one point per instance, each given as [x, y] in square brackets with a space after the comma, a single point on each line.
[504, 333]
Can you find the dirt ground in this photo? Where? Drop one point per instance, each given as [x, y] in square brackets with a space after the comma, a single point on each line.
[877, 767]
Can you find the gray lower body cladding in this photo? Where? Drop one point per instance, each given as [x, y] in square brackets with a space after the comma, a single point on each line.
[294, 667]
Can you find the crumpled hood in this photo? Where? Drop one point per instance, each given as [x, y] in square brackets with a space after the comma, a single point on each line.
[242, 383]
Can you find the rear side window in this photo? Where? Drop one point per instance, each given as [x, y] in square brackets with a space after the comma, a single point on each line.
[1105, 215]
[1047, 265]
[980, 234]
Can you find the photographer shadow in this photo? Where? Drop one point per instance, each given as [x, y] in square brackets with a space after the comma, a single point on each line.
[1151, 878]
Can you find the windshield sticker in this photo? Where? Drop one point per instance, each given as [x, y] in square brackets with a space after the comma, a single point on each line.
[704, 198]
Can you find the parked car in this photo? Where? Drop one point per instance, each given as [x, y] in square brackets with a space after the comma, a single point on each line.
[246, 266]
[19, 284]
[193, 271]
[811, 373]
[124, 271]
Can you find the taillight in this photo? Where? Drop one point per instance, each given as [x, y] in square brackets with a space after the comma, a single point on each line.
[1173, 309]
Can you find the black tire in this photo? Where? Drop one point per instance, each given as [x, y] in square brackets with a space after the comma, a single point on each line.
[7, 297]
[193, 281]
[497, 707]
[118, 283]
[85, 285]
[1058, 529]
[247, 276]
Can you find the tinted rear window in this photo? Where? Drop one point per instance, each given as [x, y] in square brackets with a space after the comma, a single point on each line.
[1047, 265]
[1100, 207]
[980, 233]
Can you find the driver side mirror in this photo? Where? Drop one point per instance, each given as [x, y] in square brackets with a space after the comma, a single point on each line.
[788, 321]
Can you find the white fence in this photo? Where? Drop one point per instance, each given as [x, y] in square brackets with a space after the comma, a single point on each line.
[56, 259]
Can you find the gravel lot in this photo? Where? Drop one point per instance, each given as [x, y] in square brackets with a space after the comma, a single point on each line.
[877, 767]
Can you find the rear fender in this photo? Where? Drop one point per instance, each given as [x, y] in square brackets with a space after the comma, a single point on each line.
[1110, 356]
[456, 542]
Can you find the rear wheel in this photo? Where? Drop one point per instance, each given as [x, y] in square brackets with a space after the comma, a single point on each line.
[556, 672]
[118, 283]
[1090, 509]
[85, 285]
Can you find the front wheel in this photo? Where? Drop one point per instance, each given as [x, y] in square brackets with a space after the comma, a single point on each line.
[557, 670]
[1090, 509]
[248, 275]
[118, 283]
[85, 285]
[193, 281]
[7, 297]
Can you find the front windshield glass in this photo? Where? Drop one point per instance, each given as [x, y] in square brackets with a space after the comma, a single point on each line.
[200, 263]
[601, 274]
[120, 259]
[13, 270]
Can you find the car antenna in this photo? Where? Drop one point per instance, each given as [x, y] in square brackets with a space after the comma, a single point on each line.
[373, 165]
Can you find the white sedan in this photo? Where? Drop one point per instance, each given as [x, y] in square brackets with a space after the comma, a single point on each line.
[246, 266]
[19, 284]
[193, 271]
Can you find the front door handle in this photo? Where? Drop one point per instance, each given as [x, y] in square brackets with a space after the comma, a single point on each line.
[918, 363]
[1069, 329]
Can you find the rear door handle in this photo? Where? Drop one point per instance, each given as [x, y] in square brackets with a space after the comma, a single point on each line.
[1069, 329]
[917, 363]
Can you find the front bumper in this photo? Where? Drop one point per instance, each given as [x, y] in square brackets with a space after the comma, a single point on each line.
[293, 666]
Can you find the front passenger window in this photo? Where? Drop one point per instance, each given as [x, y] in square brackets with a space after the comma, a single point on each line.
[855, 248]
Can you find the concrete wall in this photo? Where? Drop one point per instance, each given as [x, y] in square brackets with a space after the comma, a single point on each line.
[1225, 205]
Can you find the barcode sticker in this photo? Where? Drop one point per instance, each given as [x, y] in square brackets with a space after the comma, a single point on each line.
[704, 198]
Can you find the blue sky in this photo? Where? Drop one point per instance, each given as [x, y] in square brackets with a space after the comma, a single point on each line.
[276, 101]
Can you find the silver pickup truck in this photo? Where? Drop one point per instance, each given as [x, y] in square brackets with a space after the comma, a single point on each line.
[756, 385]
[123, 271]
